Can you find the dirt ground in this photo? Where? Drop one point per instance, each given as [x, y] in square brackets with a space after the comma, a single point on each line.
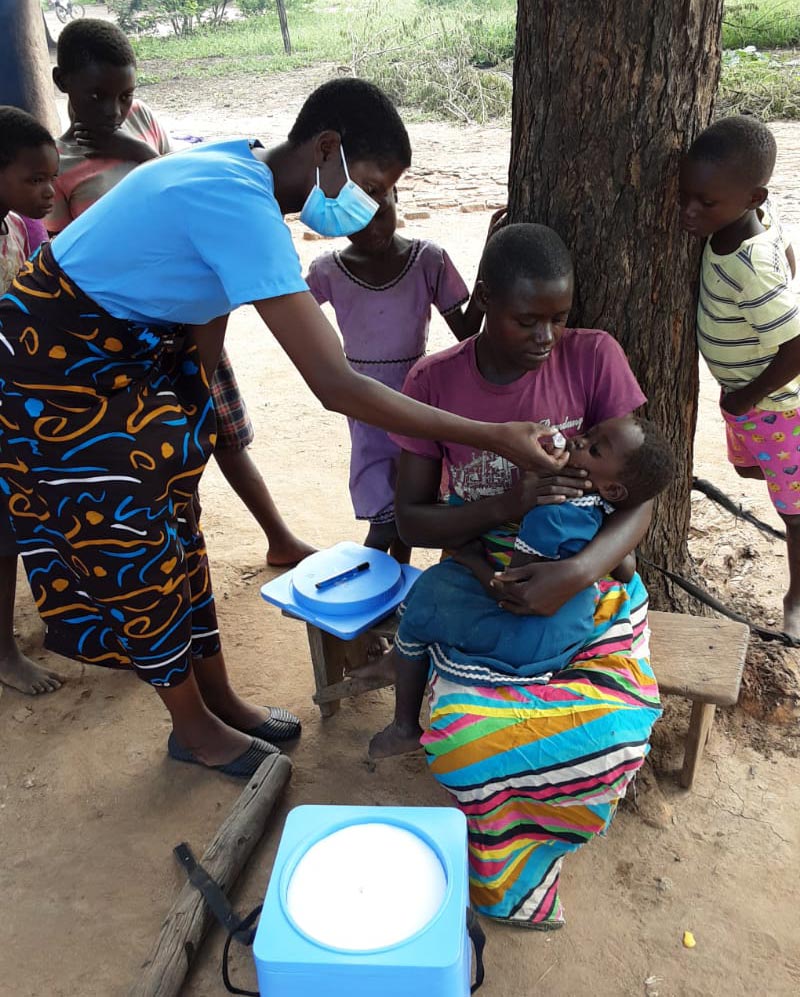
[90, 807]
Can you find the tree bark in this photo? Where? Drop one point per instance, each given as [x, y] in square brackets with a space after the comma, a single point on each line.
[607, 96]
[287, 41]
[25, 78]
[51, 42]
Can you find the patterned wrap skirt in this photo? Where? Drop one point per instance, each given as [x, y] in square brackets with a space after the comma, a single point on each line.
[105, 428]
[538, 770]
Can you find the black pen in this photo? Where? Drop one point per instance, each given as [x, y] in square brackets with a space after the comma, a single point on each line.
[343, 576]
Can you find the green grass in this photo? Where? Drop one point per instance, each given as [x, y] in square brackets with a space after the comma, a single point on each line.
[759, 84]
[767, 24]
[452, 58]
[438, 56]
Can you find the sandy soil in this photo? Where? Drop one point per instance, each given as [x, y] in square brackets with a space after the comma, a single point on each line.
[90, 807]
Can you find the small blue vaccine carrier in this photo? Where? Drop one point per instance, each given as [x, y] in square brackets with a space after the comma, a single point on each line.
[367, 902]
[343, 590]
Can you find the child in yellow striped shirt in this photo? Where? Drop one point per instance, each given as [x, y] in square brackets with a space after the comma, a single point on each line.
[748, 322]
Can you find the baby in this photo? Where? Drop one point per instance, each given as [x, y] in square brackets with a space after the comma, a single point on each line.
[452, 621]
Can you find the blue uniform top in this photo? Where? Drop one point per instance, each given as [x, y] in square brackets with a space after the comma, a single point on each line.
[184, 238]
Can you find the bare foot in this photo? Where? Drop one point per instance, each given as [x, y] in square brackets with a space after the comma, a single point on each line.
[791, 617]
[381, 666]
[288, 551]
[395, 740]
[19, 672]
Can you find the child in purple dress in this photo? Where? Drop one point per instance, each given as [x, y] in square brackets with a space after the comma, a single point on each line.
[382, 287]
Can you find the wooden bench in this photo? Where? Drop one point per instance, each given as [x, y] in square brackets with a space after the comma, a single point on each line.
[695, 657]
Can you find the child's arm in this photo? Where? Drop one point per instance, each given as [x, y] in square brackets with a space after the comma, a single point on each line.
[531, 589]
[59, 216]
[626, 569]
[472, 556]
[791, 260]
[123, 144]
[770, 308]
[112, 144]
[466, 323]
[784, 367]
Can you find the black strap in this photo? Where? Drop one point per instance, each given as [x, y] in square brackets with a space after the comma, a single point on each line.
[476, 934]
[243, 926]
[709, 600]
[212, 892]
[479, 941]
[735, 508]
[243, 932]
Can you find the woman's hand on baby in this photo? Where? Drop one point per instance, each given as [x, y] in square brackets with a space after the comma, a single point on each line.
[537, 589]
[534, 488]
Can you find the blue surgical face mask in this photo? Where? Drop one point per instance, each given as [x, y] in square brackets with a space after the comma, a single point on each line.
[351, 210]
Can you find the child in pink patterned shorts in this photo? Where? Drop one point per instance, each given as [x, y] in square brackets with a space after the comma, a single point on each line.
[748, 323]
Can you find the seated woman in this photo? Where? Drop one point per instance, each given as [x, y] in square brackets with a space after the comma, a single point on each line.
[451, 621]
[537, 769]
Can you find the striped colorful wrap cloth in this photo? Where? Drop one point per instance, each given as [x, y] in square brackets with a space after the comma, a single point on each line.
[538, 770]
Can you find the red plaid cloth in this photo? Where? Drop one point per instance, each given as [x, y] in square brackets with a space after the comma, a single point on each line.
[234, 428]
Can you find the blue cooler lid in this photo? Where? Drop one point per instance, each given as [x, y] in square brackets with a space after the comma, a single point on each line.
[345, 580]
[342, 606]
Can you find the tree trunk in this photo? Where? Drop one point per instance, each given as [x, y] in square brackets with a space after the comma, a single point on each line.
[287, 41]
[607, 96]
[25, 79]
[51, 42]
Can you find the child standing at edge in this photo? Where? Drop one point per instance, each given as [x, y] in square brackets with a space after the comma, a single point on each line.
[381, 288]
[28, 166]
[110, 134]
[748, 326]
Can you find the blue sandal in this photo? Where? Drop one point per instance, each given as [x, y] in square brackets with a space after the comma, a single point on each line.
[241, 768]
[280, 726]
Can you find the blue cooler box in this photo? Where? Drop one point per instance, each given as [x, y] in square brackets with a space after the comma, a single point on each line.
[367, 902]
[344, 589]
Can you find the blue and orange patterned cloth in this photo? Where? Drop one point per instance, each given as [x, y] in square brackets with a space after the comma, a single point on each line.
[104, 432]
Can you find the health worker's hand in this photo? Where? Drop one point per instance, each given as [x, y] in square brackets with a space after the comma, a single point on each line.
[520, 443]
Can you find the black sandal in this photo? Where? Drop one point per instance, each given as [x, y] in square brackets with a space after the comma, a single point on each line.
[281, 725]
[241, 767]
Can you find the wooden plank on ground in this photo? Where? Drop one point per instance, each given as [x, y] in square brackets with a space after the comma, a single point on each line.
[189, 918]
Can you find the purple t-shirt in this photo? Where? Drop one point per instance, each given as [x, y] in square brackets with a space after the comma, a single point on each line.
[385, 330]
[385, 325]
[585, 380]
